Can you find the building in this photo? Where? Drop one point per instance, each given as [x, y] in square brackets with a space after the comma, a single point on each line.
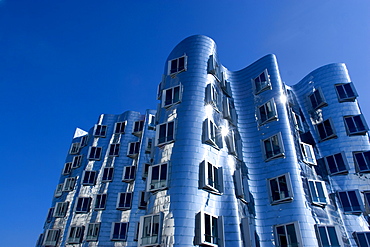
[228, 159]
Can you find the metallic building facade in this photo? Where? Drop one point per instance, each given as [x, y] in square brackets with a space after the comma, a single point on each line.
[227, 159]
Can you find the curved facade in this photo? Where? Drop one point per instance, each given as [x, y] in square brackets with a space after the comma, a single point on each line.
[229, 159]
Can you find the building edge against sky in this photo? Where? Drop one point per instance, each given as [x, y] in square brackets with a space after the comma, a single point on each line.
[227, 159]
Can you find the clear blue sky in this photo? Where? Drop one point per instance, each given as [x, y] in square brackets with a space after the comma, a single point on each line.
[63, 63]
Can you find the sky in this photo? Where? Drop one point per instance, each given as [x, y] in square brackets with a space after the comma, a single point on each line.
[63, 63]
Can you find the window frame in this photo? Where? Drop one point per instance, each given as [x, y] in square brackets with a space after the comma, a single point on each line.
[76, 161]
[367, 201]
[92, 232]
[95, 153]
[352, 210]
[324, 128]
[355, 123]
[61, 209]
[328, 237]
[83, 205]
[168, 138]
[133, 149]
[155, 225]
[173, 71]
[212, 96]
[298, 123]
[329, 165]
[162, 185]
[75, 148]
[138, 127]
[173, 99]
[51, 237]
[69, 184]
[143, 200]
[365, 237]
[241, 186]
[49, 216]
[287, 237]
[75, 234]
[59, 190]
[308, 154]
[124, 201]
[319, 102]
[365, 160]
[215, 184]
[209, 230]
[129, 173]
[316, 191]
[100, 201]
[120, 127]
[122, 231]
[212, 134]
[273, 117]
[107, 175]
[67, 169]
[287, 190]
[114, 149]
[228, 110]
[347, 98]
[262, 85]
[100, 130]
[280, 153]
[89, 178]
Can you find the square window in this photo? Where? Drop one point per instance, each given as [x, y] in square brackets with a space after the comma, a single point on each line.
[92, 232]
[351, 201]
[336, 164]
[318, 192]
[107, 174]
[165, 133]
[150, 229]
[75, 148]
[308, 154]
[261, 82]
[59, 190]
[51, 237]
[100, 130]
[327, 236]
[280, 189]
[317, 99]
[114, 149]
[326, 130]
[119, 231]
[100, 201]
[211, 134]
[60, 209]
[143, 200]
[75, 234]
[129, 173]
[157, 177]
[138, 127]
[83, 204]
[76, 162]
[67, 168]
[69, 184]
[241, 186]
[362, 238]
[119, 127]
[171, 96]
[177, 65]
[133, 149]
[212, 96]
[356, 125]
[346, 92]
[95, 153]
[273, 147]
[267, 112]
[210, 177]
[209, 230]
[287, 235]
[362, 160]
[124, 201]
[89, 178]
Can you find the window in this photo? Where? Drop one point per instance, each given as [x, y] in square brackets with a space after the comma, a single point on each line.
[107, 174]
[308, 153]
[100, 130]
[362, 238]
[75, 234]
[177, 65]
[150, 229]
[59, 190]
[273, 147]
[157, 177]
[171, 96]
[89, 178]
[119, 127]
[83, 141]
[325, 130]
[241, 186]
[212, 66]
[76, 162]
[145, 170]
[267, 112]
[138, 126]
[142, 200]
[230, 140]
[225, 85]
[210, 177]
[83, 204]
[327, 236]
[151, 121]
[133, 149]
[317, 99]
[350, 201]
[149, 146]
[52, 237]
[212, 134]
[362, 160]
[228, 110]
[119, 231]
[212, 97]
[67, 168]
[114, 149]
[75, 148]
[261, 82]
[60, 209]
[367, 201]
[129, 173]
[50, 214]
[100, 201]
[280, 189]
[165, 133]
[92, 233]
[355, 125]
[69, 184]
[124, 201]
[297, 120]
[287, 235]
[94, 153]
[317, 192]
[346, 92]
[209, 230]
[336, 164]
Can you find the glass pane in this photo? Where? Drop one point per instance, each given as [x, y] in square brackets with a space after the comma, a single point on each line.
[323, 236]
[173, 66]
[168, 97]
[274, 190]
[268, 148]
[181, 63]
[164, 172]
[360, 159]
[341, 92]
[345, 202]
[349, 90]
[170, 131]
[283, 187]
[333, 236]
[162, 133]
[354, 201]
[176, 94]
[328, 129]
[207, 228]
[359, 124]
[320, 191]
[351, 125]
[263, 114]
[292, 237]
[340, 162]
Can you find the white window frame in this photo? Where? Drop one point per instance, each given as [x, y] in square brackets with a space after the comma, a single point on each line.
[308, 154]
[177, 69]
[204, 236]
[89, 178]
[95, 153]
[358, 130]
[269, 108]
[129, 173]
[280, 189]
[67, 168]
[362, 157]
[162, 183]
[319, 102]
[365, 237]
[76, 162]
[167, 138]
[69, 184]
[59, 190]
[347, 98]
[75, 148]
[92, 231]
[324, 128]
[120, 127]
[212, 134]
[211, 177]
[274, 138]
[318, 192]
[212, 96]
[335, 158]
[124, 201]
[100, 201]
[352, 210]
[107, 174]
[133, 149]
[51, 237]
[172, 99]
[328, 237]
[262, 85]
[286, 236]
[124, 232]
[83, 204]
[75, 234]
[61, 209]
[114, 149]
[241, 186]
[150, 229]
[100, 130]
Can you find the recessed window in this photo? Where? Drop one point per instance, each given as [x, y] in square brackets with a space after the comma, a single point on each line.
[84, 140]
[280, 189]
[317, 99]
[89, 178]
[69, 184]
[143, 200]
[151, 121]
[212, 66]
[297, 120]
[362, 160]
[362, 238]
[149, 146]
[50, 214]
[346, 92]
[267, 112]
[212, 97]
[119, 127]
[356, 125]
[317, 192]
[60, 209]
[114, 149]
[231, 142]
[210, 177]
[76, 162]
[133, 149]
[100, 130]
[209, 230]
[51, 237]
[177, 65]
[94, 153]
[138, 127]
[326, 130]
[165, 133]
[119, 231]
[83, 204]
[351, 201]
[367, 201]
[212, 134]
[59, 190]
[100, 201]
[241, 186]
[75, 234]
[273, 147]
[171, 96]
[150, 230]
[336, 164]
[129, 173]
[261, 82]
[107, 174]
[287, 235]
[67, 168]
[327, 236]
[228, 110]
[75, 148]
[145, 170]
[308, 153]
[225, 85]
[124, 201]
[92, 232]
[157, 179]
